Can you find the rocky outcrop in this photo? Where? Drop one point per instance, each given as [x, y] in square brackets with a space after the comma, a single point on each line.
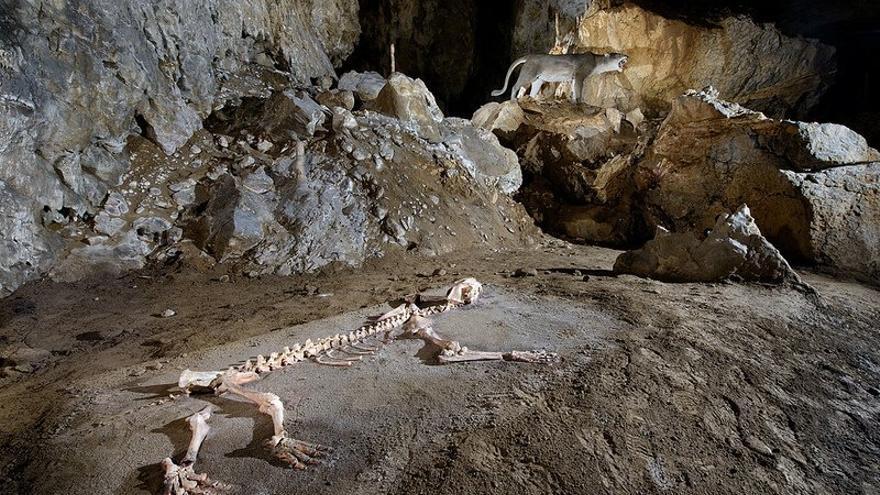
[751, 64]
[812, 187]
[273, 202]
[844, 217]
[734, 248]
[600, 176]
[280, 183]
[577, 162]
[79, 79]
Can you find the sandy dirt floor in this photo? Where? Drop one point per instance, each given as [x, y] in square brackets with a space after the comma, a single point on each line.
[680, 388]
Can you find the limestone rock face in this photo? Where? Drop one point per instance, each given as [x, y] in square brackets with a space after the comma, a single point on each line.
[410, 101]
[751, 64]
[79, 80]
[734, 247]
[270, 186]
[812, 187]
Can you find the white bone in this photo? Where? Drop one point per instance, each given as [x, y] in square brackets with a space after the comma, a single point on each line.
[471, 356]
[182, 479]
[189, 379]
[198, 424]
[464, 291]
[394, 312]
[332, 363]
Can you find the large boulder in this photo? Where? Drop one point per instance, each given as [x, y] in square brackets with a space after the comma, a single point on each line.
[366, 85]
[752, 64]
[482, 156]
[410, 101]
[734, 248]
[813, 188]
[844, 217]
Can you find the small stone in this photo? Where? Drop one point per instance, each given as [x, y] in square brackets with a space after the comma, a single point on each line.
[154, 366]
[360, 154]
[439, 272]
[115, 205]
[586, 278]
[386, 151]
[264, 146]
[525, 272]
[195, 149]
[24, 368]
[224, 279]
[168, 313]
[105, 224]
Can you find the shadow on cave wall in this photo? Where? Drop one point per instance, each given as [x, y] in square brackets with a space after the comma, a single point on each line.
[462, 48]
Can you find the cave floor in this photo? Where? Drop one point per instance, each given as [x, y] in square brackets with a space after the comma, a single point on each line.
[695, 388]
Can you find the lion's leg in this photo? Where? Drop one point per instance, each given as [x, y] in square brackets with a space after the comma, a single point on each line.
[536, 87]
[526, 76]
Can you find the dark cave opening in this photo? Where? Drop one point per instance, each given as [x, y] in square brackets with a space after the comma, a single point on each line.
[462, 48]
[458, 47]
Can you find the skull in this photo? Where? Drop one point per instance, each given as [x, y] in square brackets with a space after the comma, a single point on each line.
[464, 291]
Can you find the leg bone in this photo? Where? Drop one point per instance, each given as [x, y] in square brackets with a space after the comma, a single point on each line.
[295, 452]
[182, 479]
[198, 424]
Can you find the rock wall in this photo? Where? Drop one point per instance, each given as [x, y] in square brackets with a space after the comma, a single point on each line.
[79, 78]
[600, 176]
[752, 64]
[106, 165]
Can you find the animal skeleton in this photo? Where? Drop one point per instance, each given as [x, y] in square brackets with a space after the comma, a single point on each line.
[182, 480]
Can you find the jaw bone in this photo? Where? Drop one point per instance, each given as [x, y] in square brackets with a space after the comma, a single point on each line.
[464, 291]
[182, 479]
